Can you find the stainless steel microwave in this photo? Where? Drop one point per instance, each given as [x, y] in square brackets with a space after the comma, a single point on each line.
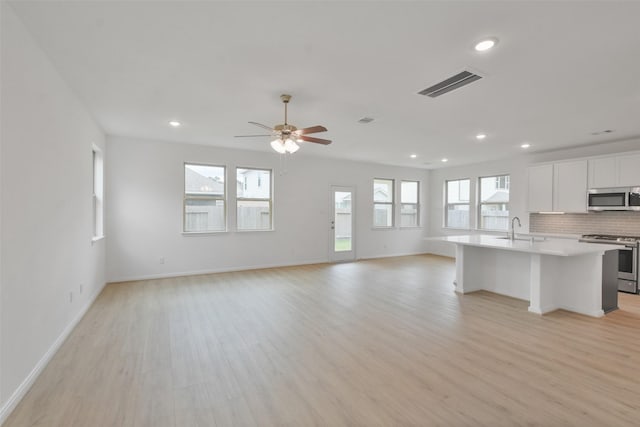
[614, 199]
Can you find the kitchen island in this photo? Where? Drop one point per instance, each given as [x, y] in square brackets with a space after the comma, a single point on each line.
[551, 274]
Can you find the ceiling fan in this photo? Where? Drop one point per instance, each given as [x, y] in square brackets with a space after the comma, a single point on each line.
[287, 136]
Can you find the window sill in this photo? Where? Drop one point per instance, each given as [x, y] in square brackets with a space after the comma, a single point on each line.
[255, 231]
[204, 233]
[414, 227]
[96, 239]
[383, 228]
[456, 228]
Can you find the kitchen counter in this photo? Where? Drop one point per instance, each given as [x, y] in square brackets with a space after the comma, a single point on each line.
[551, 274]
[557, 247]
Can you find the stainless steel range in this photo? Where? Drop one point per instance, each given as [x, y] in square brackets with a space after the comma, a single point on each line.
[627, 258]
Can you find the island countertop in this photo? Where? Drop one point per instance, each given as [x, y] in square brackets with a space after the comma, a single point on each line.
[557, 247]
[549, 273]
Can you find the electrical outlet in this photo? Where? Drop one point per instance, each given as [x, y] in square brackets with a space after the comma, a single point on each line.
[70, 296]
[80, 287]
[161, 260]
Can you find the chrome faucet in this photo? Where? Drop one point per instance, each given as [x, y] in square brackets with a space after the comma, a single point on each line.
[512, 236]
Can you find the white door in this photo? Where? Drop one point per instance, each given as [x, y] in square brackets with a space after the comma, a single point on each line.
[342, 224]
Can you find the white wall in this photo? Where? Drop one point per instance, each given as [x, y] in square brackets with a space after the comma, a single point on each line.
[144, 214]
[46, 213]
[516, 167]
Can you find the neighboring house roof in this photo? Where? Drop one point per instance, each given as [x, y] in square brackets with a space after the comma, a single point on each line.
[500, 196]
[196, 183]
[347, 197]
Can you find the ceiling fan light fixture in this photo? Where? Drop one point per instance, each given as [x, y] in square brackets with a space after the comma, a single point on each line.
[278, 146]
[287, 135]
[290, 146]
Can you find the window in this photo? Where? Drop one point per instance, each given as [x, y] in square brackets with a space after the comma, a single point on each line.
[502, 182]
[98, 194]
[254, 204]
[457, 203]
[204, 198]
[382, 202]
[494, 203]
[409, 207]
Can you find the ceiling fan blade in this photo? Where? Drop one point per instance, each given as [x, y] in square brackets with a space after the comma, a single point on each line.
[262, 126]
[249, 136]
[316, 140]
[312, 129]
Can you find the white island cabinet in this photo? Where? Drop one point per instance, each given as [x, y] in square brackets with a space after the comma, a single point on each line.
[551, 274]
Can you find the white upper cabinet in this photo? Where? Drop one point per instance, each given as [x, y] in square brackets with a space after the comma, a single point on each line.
[603, 172]
[559, 187]
[615, 171]
[540, 188]
[629, 170]
[570, 186]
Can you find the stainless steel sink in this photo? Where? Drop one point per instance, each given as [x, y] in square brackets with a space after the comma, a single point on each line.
[524, 239]
[531, 239]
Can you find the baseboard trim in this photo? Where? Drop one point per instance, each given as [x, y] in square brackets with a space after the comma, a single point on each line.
[245, 268]
[214, 270]
[364, 258]
[24, 387]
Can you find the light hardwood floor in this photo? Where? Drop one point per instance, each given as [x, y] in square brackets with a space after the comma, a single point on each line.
[381, 342]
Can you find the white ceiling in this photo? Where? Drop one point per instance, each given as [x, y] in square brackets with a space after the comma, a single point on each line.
[560, 71]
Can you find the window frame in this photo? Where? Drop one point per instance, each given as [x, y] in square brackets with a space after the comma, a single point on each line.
[446, 204]
[256, 199]
[97, 193]
[185, 197]
[392, 203]
[480, 203]
[417, 204]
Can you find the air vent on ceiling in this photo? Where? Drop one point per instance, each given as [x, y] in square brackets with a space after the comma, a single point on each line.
[459, 80]
[365, 120]
[602, 132]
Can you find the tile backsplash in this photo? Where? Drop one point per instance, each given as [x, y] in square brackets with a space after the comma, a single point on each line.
[617, 223]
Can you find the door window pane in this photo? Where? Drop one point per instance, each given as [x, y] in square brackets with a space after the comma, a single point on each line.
[342, 221]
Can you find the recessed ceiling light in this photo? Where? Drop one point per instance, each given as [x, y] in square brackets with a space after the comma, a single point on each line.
[481, 136]
[445, 160]
[525, 146]
[486, 44]
[413, 156]
[175, 123]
